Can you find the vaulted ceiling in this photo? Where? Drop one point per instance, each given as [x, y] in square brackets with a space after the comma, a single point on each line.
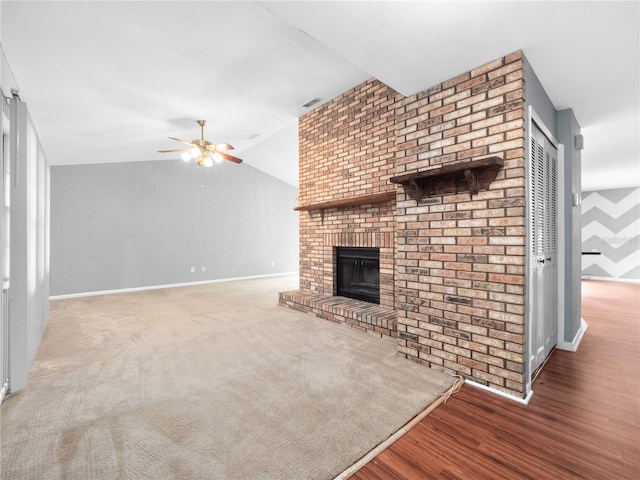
[109, 81]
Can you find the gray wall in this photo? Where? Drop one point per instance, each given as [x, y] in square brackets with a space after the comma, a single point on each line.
[567, 130]
[537, 97]
[564, 127]
[140, 224]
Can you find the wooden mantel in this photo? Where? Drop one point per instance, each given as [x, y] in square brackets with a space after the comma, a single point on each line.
[348, 202]
[469, 176]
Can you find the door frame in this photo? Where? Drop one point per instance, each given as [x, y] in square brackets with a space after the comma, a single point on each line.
[534, 118]
[4, 229]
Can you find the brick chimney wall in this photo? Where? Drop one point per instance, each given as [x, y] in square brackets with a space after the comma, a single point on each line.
[451, 265]
[347, 149]
[460, 286]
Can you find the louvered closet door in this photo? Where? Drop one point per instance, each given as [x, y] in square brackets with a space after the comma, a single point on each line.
[543, 247]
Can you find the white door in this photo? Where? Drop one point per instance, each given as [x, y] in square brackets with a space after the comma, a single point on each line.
[543, 245]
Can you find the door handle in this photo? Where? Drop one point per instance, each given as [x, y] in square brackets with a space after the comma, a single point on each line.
[541, 260]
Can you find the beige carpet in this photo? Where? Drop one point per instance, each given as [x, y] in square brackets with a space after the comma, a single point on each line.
[205, 382]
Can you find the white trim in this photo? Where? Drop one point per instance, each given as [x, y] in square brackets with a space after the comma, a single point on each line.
[172, 285]
[527, 257]
[3, 392]
[524, 400]
[573, 345]
[560, 255]
[533, 117]
[610, 279]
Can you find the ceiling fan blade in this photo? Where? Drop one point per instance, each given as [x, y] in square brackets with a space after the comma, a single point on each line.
[224, 146]
[173, 151]
[230, 158]
[219, 147]
[182, 141]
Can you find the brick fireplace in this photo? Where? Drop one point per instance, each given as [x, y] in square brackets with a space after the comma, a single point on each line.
[452, 247]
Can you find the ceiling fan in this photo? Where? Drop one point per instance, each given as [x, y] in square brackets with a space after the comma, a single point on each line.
[203, 151]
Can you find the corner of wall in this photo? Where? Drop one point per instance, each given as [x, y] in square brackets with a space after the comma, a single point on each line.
[567, 132]
[564, 126]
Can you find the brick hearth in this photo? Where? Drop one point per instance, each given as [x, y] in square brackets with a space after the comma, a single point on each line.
[364, 316]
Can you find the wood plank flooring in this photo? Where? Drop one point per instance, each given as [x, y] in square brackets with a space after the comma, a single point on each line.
[583, 420]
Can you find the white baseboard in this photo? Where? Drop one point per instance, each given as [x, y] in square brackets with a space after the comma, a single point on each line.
[501, 393]
[575, 343]
[610, 279]
[172, 285]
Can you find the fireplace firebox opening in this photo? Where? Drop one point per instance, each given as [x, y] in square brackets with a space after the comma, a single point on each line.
[358, 273]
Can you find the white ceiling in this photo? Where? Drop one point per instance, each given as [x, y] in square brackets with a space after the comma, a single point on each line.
[111, 80]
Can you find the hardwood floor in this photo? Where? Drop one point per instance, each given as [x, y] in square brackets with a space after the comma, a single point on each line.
[582, 421]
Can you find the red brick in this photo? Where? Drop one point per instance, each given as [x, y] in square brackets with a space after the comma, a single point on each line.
[456, 246]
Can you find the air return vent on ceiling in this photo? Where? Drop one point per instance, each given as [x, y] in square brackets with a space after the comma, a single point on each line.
[311, 102]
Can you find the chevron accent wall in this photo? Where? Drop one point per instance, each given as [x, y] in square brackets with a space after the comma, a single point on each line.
[611, 225]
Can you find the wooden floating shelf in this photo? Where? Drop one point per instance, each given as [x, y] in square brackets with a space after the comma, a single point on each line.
[348, 202]
[469, 176]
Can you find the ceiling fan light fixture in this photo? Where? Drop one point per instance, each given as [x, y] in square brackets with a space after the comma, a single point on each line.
[203, 151]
